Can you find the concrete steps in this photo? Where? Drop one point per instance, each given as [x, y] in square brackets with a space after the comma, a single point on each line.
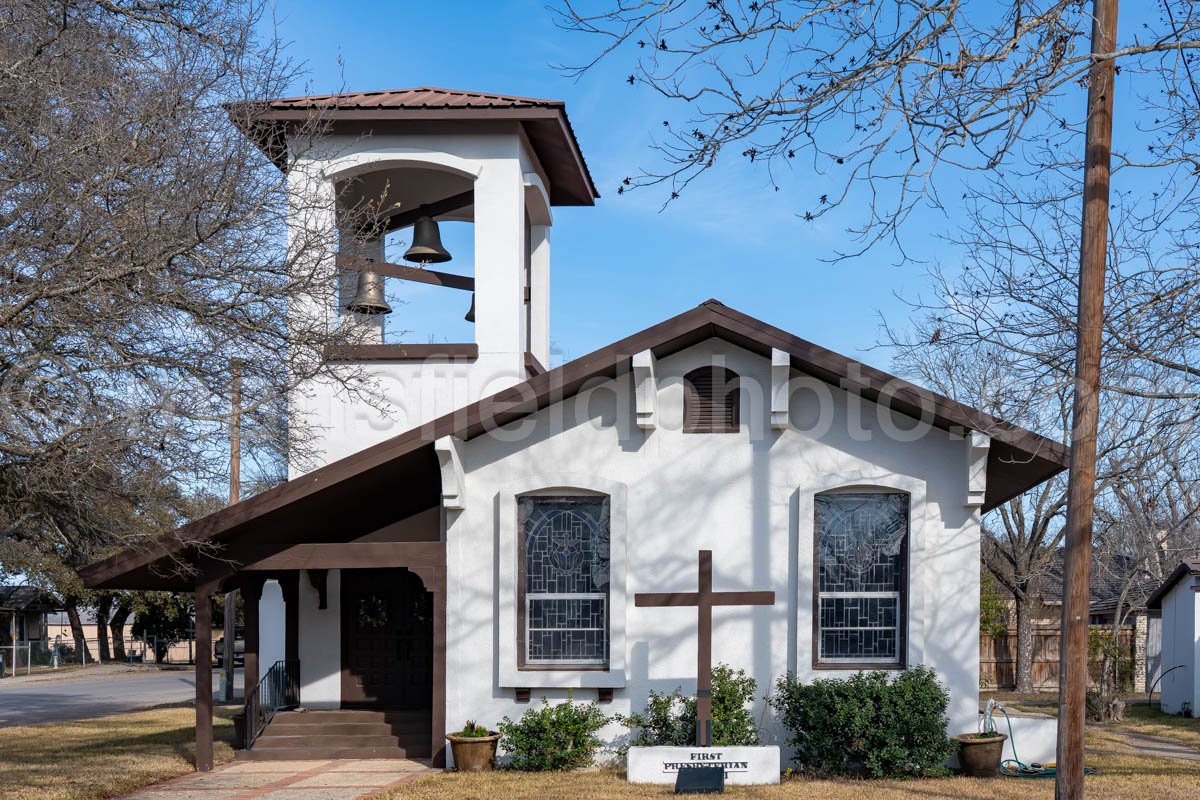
[351, 733]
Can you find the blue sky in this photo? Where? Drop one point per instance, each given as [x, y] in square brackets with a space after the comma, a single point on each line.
[621, 265]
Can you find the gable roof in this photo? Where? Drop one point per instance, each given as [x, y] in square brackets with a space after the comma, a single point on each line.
[1109, 575]
[19, 598]
[1017, 459]
[544, 121]
[1187, 567]
[418, 97]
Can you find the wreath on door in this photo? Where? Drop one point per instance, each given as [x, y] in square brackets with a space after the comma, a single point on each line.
[372, 612]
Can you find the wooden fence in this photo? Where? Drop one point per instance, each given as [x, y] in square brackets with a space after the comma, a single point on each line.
[998, 658]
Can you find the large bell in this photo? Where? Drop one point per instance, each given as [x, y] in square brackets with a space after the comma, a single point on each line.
[426, 243]
[368, 295]
[470, 317]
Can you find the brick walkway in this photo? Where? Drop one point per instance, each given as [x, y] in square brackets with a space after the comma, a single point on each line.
[288, 780]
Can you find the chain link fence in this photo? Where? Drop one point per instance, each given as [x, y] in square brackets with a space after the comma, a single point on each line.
[28, 658]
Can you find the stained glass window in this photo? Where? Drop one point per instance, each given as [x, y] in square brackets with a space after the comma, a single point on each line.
[862, 543]
[564, 589]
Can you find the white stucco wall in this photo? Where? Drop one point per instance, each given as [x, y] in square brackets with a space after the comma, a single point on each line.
[746, 496]
[510, 207]
[320, 643]
[271, 626]
[1180, 648]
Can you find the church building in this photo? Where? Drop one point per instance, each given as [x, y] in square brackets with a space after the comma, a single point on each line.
[473, 542]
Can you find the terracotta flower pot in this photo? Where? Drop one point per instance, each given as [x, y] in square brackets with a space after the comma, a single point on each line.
[980, 756]
[474, 753]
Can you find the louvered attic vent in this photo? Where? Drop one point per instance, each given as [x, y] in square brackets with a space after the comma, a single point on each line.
[710, 401]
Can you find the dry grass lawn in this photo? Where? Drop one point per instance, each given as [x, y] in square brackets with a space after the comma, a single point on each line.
[1124, 774]
[104, 757]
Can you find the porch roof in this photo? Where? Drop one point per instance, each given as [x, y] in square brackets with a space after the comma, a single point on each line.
[405, 468]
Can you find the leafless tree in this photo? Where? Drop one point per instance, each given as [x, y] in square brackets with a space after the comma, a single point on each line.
[143, 253]
[1021, 538]
[877, 102]
[1147, 522]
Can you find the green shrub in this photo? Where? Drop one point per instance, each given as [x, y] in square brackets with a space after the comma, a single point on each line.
[472, 730]
[553, 737]
[670, 719]
[867, 724]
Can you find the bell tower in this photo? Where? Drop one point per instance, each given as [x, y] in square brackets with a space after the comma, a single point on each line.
[368, 169]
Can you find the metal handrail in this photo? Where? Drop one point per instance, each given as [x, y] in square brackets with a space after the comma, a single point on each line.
[278, 689]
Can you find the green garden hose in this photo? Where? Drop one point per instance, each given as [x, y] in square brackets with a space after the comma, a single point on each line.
[1016, 768]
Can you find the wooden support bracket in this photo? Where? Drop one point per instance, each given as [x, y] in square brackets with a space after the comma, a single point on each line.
[978, 445]
[454, 484]
[781, 396]
[319, 578]
[645, 390]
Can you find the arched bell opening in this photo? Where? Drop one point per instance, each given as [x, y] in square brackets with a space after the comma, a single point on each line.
[406, 243]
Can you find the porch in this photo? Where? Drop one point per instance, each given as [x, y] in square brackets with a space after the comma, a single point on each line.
[352, 634]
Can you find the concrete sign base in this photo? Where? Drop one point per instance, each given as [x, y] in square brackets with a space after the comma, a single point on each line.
[745, 766]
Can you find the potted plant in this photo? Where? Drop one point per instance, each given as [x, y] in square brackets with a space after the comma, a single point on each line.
[980, 753]
[474, 748]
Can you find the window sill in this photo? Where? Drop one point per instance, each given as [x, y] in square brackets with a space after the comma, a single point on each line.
[563, 679]
[859, 666]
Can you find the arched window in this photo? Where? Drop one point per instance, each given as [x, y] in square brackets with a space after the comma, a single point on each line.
[861, 592]
[563, 614]
[710, 401]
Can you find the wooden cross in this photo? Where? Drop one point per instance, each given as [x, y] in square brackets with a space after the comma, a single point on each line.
[703, 600]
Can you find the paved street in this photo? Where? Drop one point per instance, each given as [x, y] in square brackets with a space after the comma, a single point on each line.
[80, 696]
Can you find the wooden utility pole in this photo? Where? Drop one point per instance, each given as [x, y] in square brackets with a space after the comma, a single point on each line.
[235, 483]
[1081, 487]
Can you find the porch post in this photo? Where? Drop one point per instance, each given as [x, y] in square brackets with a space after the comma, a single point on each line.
[252, 586]
[289, 582]
[438, 716]
[204, 693]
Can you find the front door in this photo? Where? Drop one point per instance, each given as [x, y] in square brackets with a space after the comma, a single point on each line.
[387, 640]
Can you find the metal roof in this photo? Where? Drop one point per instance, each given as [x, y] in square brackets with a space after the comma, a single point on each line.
[544, 122]
[418, 97]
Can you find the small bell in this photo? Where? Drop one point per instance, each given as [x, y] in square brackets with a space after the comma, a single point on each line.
[427, 243]
[470, 317]
[368, 295]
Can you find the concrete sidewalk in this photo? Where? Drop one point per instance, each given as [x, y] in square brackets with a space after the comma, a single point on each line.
[289, 780]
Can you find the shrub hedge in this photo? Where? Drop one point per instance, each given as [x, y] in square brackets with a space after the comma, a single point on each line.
[670, 719]
[553, 737]
[867, 724]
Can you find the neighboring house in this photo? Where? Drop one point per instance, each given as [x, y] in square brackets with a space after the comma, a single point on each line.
[23, 613]
[1110, 577]
[23, 629]
[1178, 599]
[474, 541]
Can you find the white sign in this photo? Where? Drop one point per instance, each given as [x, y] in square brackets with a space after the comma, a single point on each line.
[745, 766]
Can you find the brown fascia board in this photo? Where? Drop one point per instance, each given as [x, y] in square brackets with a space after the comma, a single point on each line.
[265, 131]
[1185, 568]
[710, 319]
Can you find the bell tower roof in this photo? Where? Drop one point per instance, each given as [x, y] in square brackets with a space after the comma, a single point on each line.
[544, 122]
